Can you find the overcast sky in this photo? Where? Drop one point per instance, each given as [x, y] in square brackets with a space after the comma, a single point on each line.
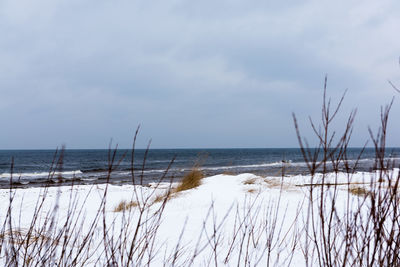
[192, 73]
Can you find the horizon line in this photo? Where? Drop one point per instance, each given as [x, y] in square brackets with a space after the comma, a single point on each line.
[180, 148]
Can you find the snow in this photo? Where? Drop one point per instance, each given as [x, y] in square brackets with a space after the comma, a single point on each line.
[222, 204]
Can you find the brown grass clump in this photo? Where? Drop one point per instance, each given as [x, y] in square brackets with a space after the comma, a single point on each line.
[273, 183]
[358, 191]
[251, 190]
[123, 206]
[190, 180]
[161, 198]
[250, 181]
[19, 237]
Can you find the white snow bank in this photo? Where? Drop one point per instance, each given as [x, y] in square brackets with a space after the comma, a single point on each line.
[228, 218]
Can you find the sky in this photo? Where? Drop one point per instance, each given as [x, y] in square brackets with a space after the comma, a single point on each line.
[193, 74]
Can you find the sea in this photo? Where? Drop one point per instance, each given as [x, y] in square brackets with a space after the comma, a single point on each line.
[34, 168]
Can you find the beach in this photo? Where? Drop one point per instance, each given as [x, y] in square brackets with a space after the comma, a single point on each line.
[228, 220]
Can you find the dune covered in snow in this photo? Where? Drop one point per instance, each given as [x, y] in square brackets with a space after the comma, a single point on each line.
[231, 220]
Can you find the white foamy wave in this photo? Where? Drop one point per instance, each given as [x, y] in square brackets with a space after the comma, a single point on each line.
[341, 177]
[139, 172]
[32, 175]
[251, 166]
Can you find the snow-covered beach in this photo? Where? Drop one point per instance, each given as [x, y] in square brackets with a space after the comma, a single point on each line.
[231, 220]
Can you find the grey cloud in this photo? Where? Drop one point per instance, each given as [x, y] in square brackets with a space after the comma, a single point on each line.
[223, 74]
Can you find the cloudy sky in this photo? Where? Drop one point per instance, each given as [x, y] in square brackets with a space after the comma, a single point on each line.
[192, 73]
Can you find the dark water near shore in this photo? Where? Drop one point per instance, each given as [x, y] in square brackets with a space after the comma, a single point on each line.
[31, 167]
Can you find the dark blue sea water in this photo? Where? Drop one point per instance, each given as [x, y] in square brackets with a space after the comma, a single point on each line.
[32, 167]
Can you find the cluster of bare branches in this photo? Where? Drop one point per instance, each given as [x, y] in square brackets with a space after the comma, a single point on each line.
[359, 229]
[75, 240]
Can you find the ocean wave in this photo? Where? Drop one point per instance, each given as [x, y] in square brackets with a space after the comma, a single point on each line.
[95, 173]
[32, 175]
[288, 163]
[250, 166]
[88, 179]
[94, 170]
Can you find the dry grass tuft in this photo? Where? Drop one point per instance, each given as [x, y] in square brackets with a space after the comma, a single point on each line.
[272, 183]
[358, 191]
[250, 181]
[161, 198]
[19, 237]
[190, 180]
[251, 190]
[123, 206]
